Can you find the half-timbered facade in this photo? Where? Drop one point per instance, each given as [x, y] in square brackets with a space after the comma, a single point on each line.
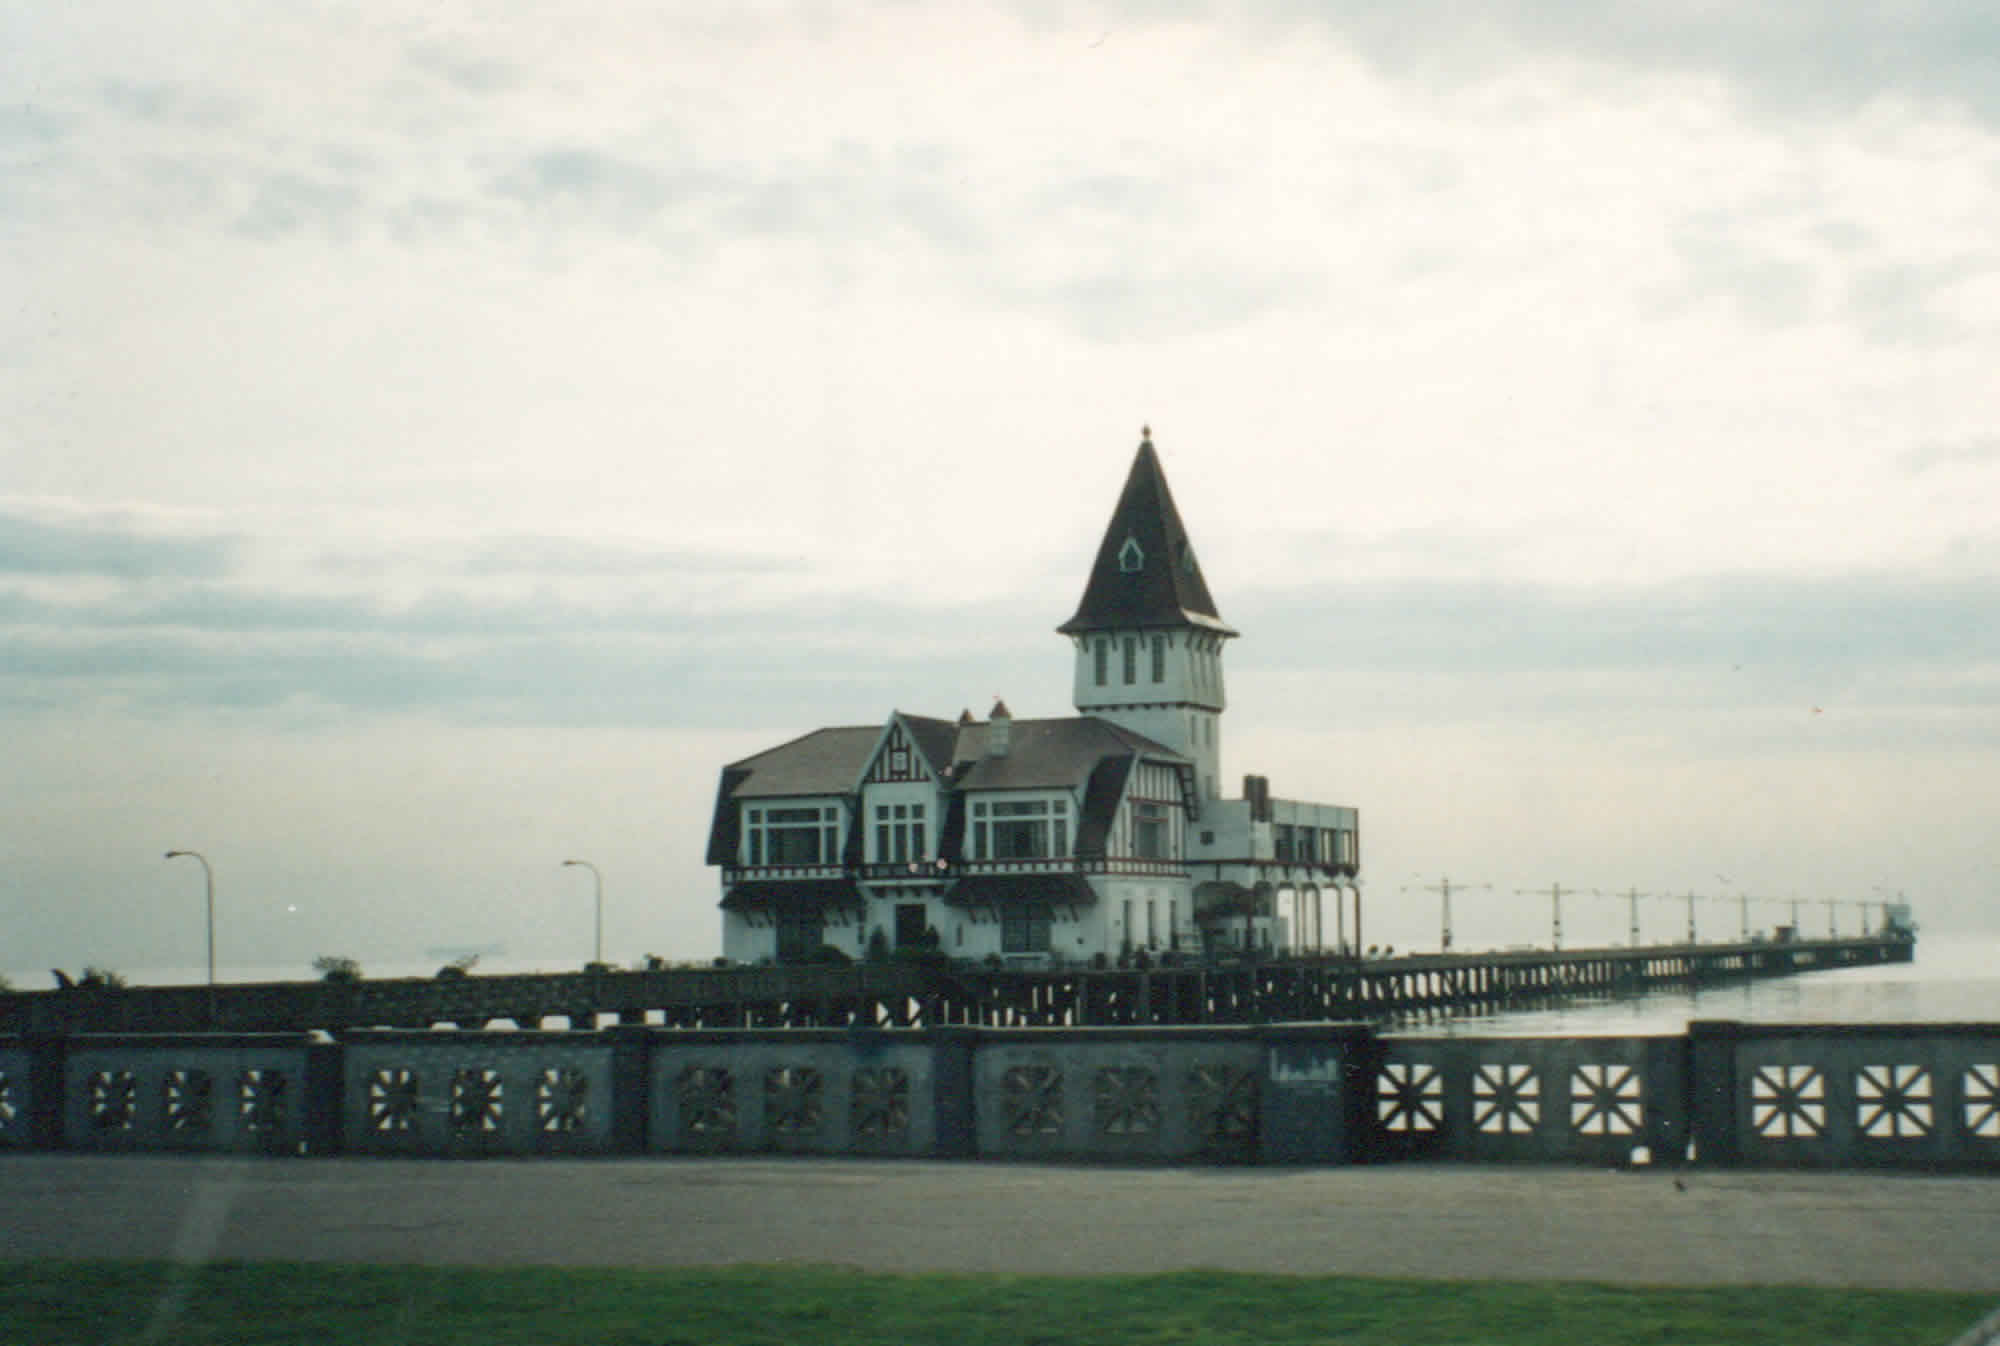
[1042, 840]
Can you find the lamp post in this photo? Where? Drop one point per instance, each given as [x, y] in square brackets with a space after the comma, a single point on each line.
[597, 882]
[208, 884]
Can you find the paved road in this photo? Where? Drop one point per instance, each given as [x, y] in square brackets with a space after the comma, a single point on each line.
[1409, 1220]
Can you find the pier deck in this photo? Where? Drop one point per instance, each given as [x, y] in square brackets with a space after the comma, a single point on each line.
[899, 994]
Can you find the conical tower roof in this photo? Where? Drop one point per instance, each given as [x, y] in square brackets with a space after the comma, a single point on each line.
[1146, 574]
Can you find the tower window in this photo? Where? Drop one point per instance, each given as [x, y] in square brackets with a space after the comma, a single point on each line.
[1101, 653]
[1159, 658]
[1131, 660]
[1131, 558]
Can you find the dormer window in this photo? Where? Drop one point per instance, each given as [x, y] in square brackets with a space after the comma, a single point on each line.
[1131, 557]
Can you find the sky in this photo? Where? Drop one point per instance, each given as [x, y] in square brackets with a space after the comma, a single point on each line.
[435, 438]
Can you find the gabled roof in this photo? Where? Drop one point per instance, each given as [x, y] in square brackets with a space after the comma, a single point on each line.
[1146, 574]
[1047, 754]
[824, 762]
[1082, 752]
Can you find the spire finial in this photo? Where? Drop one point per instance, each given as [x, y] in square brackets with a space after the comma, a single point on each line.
[1145, 434]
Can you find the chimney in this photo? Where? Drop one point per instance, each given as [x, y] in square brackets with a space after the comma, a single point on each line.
[999, 729]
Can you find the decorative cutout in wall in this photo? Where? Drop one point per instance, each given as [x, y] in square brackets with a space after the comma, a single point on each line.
[706, 1096]
[189, 1096]
[110, 1100]
[1892, 1102]
[562, 1100]
[1982, 1101]
[792, 1100]
[261, 1101]
[392, 1100]
[1787, 1102]
[1409, 1097]
[879, 1102]
[1506, 1099]
[9, 1109]
[1031, 1100]
[477, 1096]
[1128, 1101]
[1604, 1101]
[1222, 1103]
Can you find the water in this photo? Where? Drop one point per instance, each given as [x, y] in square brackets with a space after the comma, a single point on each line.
[1951, 981]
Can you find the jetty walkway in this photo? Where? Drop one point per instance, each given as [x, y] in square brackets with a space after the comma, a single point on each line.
[920, 993]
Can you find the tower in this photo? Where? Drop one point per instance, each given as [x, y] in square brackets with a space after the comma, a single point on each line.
[1148, 639]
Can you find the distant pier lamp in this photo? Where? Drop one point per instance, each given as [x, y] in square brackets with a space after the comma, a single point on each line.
[597, 883]
[208, 883]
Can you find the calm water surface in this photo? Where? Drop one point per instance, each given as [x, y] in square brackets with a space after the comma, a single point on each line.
[1953, 980]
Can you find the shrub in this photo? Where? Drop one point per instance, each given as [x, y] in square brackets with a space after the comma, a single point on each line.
[336, 968]
[101, 978]
[829, 956]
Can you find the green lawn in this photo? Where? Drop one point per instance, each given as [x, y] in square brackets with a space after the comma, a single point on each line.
[238, 1304]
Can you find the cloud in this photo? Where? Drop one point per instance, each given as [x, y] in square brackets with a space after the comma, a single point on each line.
[1908, 303]
[50, 549]
[534, 630]
[1799, 59]
[285, 204]
[1974, 451]
[1766, 288]
[1830, 629]
[171, 104]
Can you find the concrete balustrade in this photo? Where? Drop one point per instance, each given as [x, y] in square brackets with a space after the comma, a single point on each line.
[1914, 1096]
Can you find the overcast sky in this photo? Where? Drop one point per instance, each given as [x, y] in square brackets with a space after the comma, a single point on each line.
[434, 438]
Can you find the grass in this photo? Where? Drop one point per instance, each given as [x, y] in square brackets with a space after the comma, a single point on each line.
[253, 1304]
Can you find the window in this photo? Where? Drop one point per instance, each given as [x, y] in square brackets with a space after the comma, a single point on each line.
[1131, 660]
[1149, 830]
[1173, 923]
[1305, 845]
[1152, 932]
[793, 836]
[1131, 557]
[1025, 930]
[1282, 838]
[1019, 829]
[1159, 658]
[1101, 655]
[899, 833]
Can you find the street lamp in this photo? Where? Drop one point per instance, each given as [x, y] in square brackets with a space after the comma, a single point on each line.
[208, 878]
[597, 881]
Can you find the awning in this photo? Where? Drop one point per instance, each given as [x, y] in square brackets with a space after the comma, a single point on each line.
[802, 896]
[1013, 890]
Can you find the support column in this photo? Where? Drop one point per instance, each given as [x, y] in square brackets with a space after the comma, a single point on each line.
[1711, 1091]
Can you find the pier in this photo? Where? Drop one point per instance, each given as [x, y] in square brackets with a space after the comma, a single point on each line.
[925, 993]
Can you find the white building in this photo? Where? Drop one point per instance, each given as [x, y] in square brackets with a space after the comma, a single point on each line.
[1044, 841]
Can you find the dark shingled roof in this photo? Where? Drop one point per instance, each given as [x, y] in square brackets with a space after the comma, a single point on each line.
[824, 762]
[934, 739]
[1167, 589]
[1081, 752]
[1047, 754]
